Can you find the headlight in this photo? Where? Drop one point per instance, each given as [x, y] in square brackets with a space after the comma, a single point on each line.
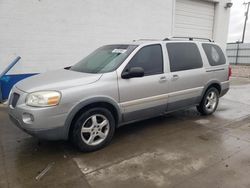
[43, 98]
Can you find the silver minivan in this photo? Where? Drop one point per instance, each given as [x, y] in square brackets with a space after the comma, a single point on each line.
[119, 84]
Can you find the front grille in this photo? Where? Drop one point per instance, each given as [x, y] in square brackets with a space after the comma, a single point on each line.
[14, 99]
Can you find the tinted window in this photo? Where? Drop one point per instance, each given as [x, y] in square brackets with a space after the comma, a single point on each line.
[183, 56]
[214, 54]
[149, 58]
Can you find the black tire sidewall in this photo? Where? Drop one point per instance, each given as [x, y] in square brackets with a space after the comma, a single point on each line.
[202, 107]
[76, 133]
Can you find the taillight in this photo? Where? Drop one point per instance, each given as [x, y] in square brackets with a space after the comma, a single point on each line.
[229, 71]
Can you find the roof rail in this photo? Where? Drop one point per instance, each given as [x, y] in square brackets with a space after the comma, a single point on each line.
[145, 40]
[189, 38]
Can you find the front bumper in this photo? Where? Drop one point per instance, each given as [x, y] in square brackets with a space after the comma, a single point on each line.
[58, 133]
[47, 123]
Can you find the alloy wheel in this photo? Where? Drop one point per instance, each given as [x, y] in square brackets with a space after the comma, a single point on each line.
[95, 129]
[211, 101]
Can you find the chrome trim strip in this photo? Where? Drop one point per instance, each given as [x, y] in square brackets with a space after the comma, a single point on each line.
[186, 91]
[144, 100]
[158, 97]
[214, 70]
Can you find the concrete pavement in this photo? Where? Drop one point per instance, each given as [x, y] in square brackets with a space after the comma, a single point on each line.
[181, 149]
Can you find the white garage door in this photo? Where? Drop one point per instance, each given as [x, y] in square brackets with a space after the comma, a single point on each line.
[194, 18]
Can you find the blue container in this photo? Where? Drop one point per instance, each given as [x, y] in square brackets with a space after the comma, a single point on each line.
[7, 82]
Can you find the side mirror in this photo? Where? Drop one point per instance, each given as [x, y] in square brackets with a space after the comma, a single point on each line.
[133, 72]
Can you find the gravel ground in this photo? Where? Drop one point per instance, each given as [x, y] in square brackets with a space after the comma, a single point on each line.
[241, 71]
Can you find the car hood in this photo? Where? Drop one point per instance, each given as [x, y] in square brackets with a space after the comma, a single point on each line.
[56, 80]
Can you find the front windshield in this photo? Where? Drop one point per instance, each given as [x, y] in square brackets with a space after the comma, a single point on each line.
[104, 59]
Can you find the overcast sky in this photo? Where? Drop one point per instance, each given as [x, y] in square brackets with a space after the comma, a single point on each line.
[237, 19]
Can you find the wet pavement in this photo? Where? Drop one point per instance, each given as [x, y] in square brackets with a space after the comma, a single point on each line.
[181, 149]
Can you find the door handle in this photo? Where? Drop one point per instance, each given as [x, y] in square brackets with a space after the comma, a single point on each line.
[163, 79]
[175, 77]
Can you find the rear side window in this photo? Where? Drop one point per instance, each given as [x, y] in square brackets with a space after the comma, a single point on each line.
[214, 54]
[149, 58]
[183, 56]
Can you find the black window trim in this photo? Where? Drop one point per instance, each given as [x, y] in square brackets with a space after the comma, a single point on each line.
[162, 54]
[176, 42]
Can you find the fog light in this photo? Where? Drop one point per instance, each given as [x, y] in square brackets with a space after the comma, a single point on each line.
[28, 118]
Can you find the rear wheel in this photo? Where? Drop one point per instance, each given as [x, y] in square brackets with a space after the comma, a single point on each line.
[209, 102]
[93, 129]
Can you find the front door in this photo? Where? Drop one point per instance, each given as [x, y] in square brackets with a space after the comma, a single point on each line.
[145, 96]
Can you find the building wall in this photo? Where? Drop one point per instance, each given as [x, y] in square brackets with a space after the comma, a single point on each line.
[51, 34]
[221, 22]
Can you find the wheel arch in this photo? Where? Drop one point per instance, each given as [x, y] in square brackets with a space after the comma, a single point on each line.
[213, 83]
[105, 102]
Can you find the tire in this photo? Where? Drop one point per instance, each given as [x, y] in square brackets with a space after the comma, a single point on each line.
[209, 102]
[93, 129]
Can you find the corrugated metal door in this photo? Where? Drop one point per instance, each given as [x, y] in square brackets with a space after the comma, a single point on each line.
[194, 18]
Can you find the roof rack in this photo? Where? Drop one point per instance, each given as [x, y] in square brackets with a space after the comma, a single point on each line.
[189, 38]
[145, 40]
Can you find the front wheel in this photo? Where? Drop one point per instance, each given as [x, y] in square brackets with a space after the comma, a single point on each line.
[93, 129]
[209, 102]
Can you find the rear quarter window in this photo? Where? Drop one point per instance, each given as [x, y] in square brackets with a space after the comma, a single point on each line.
[183, 56]
[214, 54]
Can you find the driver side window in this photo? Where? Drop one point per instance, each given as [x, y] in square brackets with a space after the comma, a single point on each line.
[149, 58]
